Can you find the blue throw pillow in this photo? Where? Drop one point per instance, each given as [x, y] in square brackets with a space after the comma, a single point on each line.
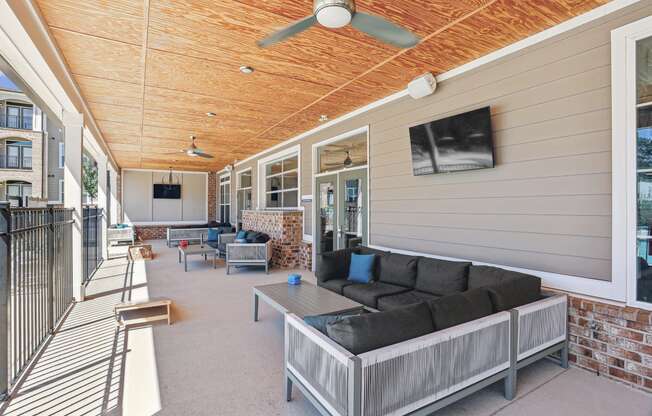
[212, 234]
[241, 235]
[361, 269]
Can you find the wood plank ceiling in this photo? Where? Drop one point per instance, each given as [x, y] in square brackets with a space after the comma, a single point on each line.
[150, 70]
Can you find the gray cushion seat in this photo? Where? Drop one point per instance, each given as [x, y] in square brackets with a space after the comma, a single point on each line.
[368, 293]
[507, 289]
[336, 285]
[386, 303]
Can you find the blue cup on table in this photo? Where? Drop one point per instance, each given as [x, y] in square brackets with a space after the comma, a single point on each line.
[294, 279]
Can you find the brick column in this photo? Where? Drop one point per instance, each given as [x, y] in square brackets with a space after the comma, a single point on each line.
[286, 231]
[212, 196]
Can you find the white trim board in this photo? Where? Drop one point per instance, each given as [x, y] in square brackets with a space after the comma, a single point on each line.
[261, 177]
[623, 162]
[567, 283]
[597, 13]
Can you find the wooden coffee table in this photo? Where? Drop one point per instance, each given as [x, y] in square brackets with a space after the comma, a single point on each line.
[302, 300]
[197, 251]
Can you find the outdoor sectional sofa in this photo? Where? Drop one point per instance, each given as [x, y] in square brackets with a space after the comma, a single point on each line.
[444, 330]
[194, 233]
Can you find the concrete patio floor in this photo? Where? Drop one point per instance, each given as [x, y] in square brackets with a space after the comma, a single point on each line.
[214, 360]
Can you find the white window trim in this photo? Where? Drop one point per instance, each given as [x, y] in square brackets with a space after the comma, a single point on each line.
[61, 188]
[238, 188]
[62, 154]
[623, 81]
[219, 194]
[262, 178]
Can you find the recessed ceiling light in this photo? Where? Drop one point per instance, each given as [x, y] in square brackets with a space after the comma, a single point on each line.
[246, 69]
[323, 118]
[211, 114]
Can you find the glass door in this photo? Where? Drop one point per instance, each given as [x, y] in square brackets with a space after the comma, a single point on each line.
[352, 227]
[326, 213]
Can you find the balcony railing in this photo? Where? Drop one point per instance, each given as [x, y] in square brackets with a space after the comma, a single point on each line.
[36, 282]
[15, 162]
[92, 240]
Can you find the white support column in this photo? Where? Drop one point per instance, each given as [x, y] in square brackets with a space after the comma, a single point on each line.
[115, 202]
[73, 124]
[103, 198]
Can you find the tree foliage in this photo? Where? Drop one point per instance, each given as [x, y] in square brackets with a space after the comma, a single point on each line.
[89, 177]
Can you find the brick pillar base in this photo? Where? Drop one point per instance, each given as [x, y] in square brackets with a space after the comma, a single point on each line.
[285, 228]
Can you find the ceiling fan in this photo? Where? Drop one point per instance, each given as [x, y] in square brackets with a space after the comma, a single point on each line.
[194, 151]
[335, 14]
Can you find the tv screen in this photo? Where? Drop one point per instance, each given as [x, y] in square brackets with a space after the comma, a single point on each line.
[453, 144]
[162, 191]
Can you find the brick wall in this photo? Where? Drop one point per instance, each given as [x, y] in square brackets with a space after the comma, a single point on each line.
[212, 196]
[151, 232]
[305, 255]
[285, 228]
[612, 341]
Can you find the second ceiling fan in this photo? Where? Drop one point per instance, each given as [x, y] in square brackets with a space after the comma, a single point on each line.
[339, 13]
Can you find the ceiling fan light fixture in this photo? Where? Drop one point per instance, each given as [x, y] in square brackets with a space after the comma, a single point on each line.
[348, 162]
[334, 14]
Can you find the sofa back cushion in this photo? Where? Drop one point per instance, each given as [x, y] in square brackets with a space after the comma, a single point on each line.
[398, 269]
[371, 331]
[379, 254]
[441, 277]
[507, 289]
[256, 237]
[461, 307]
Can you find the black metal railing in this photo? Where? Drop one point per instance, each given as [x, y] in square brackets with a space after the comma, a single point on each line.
[92, 240]
[36, 282]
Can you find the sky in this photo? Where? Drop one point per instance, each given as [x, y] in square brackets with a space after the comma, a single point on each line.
[6, 84]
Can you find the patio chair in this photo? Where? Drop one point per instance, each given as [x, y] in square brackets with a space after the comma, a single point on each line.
[248, 253]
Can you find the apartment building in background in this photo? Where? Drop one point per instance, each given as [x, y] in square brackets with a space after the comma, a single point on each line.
[31, 150]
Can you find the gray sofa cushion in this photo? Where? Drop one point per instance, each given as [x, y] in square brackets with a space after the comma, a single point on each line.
[333, 265]
[441, 277]
[459, 308]
[371, 331]
[379, 253]
[398, 269]
[335, 285]
[320, 322]
[507, 289]
[403, 299]
[368, 293]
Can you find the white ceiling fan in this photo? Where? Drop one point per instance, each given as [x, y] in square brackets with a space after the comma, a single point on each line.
[335, 14]
[194, 151]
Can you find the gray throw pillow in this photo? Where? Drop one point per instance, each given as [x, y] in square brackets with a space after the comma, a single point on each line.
[460, 308]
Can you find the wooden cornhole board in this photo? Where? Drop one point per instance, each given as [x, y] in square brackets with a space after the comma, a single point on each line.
[143, 311]
[141, 252]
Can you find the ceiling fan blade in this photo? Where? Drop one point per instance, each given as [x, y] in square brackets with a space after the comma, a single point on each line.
[204, 155]
[294, 29]
[384, 31]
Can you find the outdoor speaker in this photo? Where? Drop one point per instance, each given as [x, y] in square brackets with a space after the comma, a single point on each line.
[422, 86]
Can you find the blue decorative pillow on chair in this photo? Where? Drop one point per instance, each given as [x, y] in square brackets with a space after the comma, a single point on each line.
[361, 268]
[212, 234]
[241, 235]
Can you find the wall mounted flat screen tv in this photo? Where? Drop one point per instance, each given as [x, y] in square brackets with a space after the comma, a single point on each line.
[163, 191]
[453, 144]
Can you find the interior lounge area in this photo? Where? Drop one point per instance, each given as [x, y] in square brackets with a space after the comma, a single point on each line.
[326, 207]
